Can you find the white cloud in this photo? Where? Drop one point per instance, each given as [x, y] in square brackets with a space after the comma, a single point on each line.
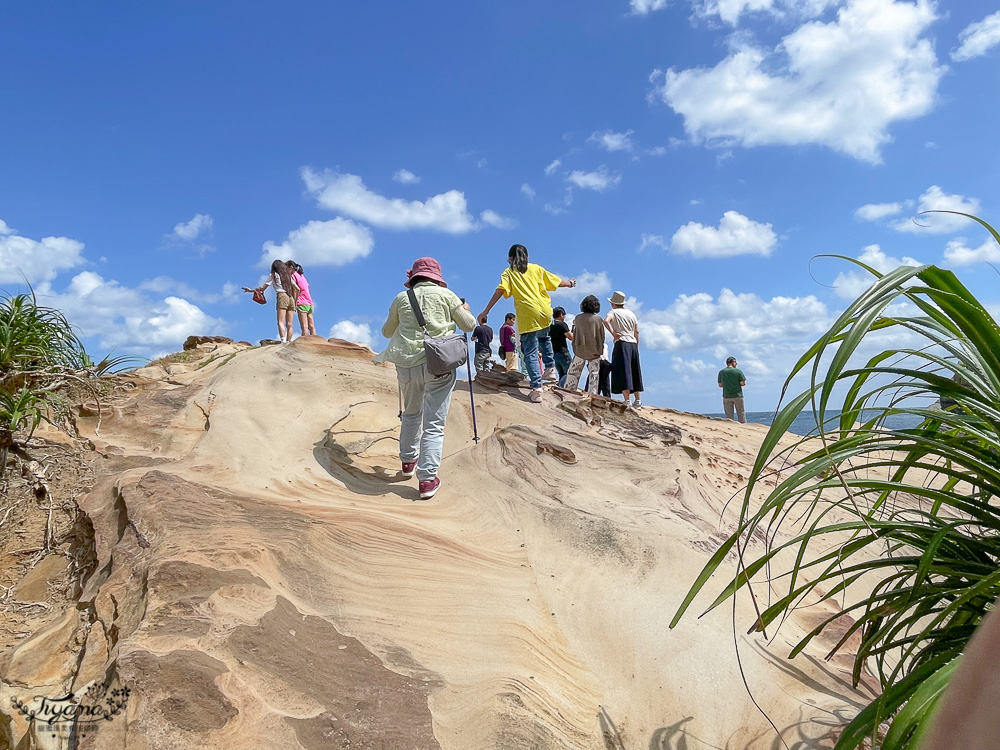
[978, 38]
[612, 141]
[736, 235]
[935, 199]
[642, 7]
[692, 366]
[321, 243]
[188, 231]
[493, 219]
[358, 333]
[839, 84]
[730, 10]
[37, 261]
[405, 177]
[600, 179]
[560, 208]
[167, 285]
[657, 151]
[125, 319]
[957, 253]
[346, 193]
[586, 283]
[698, 321]
[876, 211]
[653, 240]
[552, 167]
[528, 192]
[850, 284]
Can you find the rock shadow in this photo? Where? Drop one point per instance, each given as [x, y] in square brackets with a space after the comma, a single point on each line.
[361, 450]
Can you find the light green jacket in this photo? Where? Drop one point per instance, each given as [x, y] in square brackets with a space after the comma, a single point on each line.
[442, 311]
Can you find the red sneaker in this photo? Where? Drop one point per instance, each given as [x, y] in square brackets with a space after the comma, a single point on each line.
[409, 469]
[428, 487]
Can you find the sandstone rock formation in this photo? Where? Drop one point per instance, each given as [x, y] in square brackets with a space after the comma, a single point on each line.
[263, 578]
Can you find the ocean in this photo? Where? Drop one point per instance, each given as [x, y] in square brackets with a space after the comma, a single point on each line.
[806, 421]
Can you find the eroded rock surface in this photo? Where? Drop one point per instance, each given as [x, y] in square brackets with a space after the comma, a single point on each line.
[264, 578]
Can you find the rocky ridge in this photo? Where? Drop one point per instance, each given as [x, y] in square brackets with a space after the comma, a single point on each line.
[259, 576]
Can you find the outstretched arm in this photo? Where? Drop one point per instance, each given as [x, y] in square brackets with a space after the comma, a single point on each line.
[260, 288]
[497, 294]
[567, 283]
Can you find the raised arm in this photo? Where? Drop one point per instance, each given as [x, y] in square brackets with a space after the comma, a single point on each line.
[391, 322]
[497, 294]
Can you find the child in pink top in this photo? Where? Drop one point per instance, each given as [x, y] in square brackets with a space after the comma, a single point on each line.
[304, 302]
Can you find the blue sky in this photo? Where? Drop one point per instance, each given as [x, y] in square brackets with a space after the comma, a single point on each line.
[696, 154]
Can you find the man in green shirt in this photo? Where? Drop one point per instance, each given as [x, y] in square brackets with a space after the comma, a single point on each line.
[731, 381]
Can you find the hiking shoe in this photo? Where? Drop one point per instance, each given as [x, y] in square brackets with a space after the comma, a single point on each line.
[536, 395]
[409, 469]
[428, 487]
[550, 374]
[637, 404]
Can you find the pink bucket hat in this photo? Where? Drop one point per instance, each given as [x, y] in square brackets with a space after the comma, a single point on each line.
[427, 268]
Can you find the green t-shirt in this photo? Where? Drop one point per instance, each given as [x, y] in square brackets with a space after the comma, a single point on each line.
[730, 378]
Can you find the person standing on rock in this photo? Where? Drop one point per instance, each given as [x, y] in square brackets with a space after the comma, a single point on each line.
[588, 342]
[425, 397]
[731, 381]
[508, 343]
[304, 302]
[626, 374]
[286, 293]
[529, 284]
[483, 336]
[559, 333]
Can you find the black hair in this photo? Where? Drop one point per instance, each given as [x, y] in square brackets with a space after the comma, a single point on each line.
[558, 312]
[731, 359]
[294, 266]
[414, 280]
[517, 256]
[483, 320]
[509, 316]
[590, 304]
[284, 271]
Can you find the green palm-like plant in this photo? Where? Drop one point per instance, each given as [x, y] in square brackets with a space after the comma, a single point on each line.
[17, 411]
[33, 337]
[907, 516]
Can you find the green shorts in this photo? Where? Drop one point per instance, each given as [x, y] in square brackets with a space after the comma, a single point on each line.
[305, 308]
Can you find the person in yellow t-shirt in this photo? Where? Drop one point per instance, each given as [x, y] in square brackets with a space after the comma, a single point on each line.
[529, 284]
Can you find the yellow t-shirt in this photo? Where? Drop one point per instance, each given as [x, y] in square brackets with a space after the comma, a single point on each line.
[530, 291]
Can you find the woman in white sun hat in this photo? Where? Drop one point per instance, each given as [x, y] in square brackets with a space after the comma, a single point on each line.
[626, 374]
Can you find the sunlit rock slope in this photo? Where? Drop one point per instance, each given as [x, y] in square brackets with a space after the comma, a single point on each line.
[265, 579]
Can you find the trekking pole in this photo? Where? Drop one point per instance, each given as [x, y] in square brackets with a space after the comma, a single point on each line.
[472, 400]
[400, 392]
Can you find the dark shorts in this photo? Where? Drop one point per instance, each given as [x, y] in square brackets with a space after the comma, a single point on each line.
[625, 372]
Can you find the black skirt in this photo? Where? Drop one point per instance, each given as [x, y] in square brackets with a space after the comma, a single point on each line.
[625, 372]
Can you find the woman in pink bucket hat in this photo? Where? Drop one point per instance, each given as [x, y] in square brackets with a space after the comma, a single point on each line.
[426, 397]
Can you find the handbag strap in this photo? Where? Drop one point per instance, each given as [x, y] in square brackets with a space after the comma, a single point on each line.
[416, 309]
